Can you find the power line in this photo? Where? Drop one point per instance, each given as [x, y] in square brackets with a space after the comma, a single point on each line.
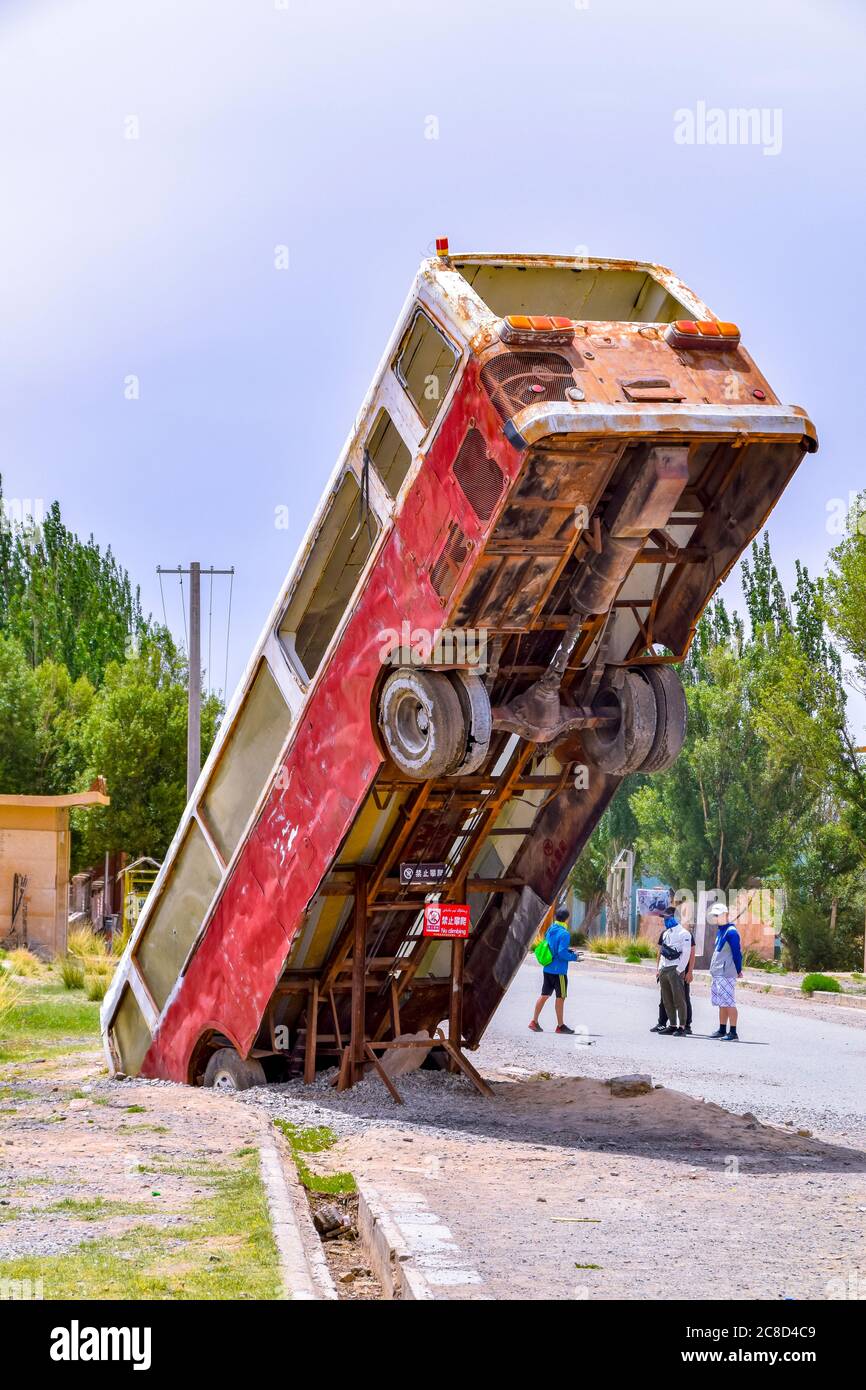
[209, 628]
[183, 608]
[228, 635]
[193, 641]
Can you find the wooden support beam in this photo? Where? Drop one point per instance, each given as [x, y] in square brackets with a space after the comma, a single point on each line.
[383, 1075]
[310, 1041]
[455, 1005]
[359, 968]
[395, 1008]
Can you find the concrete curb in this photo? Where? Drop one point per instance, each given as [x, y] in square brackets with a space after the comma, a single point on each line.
[645, 974]
[389, 1258]
[303, 1267]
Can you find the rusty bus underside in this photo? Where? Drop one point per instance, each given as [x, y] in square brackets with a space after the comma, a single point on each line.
[511, 831]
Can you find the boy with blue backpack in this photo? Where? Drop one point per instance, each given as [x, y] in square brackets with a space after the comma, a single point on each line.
[554, 954]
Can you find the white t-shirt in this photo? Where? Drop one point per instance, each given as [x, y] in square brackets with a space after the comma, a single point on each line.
[680, 940]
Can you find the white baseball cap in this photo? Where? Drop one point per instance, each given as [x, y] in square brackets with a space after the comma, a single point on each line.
[717, 911]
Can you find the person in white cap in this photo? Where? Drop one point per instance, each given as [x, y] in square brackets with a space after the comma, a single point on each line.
[726, 967]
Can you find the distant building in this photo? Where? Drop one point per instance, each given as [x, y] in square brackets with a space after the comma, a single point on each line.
[34, 868]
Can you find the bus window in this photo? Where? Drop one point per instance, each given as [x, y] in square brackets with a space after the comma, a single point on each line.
[425, 365]
[339, 552]
[175, 921]
[247, 757]
[388, 453]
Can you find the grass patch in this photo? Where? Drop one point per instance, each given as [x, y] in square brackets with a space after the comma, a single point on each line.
[85, 942]
[631, 947]
[71, 973]
[46, 1012]
[10, 997]
[135, 1110]
[23, 962]
[587, 1266]
[94, 1209]
[822, 982]
[95, 987]
[225, 1250]
[315, 1140]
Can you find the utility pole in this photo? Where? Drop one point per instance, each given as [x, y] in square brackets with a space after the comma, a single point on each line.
[193, 726]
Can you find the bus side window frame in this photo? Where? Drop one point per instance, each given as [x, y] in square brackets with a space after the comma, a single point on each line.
[286, 641]
[422, 309]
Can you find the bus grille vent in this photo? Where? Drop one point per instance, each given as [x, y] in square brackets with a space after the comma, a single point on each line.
[478, 475]
[444, 573]
[514, 380]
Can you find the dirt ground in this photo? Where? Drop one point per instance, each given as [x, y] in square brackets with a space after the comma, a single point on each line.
[85, 1161]
[633, 1198]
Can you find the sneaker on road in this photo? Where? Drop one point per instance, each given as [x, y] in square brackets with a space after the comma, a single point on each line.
[679, 1033]
[720, 1033]
[732, 1036]
[564, 1028]
[688, 1030]
[536, 1027]
[659, 1028]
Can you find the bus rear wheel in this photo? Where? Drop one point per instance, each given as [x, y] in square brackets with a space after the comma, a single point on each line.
[622, 745]
[422, 722]
[671, 718]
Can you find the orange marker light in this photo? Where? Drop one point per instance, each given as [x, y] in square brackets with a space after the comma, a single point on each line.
[702, 333]
[536, 328]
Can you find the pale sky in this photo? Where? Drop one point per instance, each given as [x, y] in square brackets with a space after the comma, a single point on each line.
[262, 124]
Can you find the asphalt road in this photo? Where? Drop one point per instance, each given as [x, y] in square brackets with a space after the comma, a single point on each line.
[786, 1067]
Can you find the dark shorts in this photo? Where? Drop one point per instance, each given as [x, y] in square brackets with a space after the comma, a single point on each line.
[554, 984]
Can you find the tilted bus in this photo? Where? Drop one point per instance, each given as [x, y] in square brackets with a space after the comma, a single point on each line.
[556, 465]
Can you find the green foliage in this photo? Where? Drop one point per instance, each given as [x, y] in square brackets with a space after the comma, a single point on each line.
[826, 983]
[65, 599]
[766, 712]
[629, 946]
[135, 734]
[314, 1140]
[19, 717]
[90, 688]
[96, 985]
[71, 973]
[843, 591]
[615, 831]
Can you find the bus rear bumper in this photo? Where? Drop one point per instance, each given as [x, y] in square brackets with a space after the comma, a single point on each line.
[783, 423]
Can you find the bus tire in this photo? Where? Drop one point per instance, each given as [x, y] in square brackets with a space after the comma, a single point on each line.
[621, 747]
[477, 718]
[671, 718]
[422, 723]
[227, 1071]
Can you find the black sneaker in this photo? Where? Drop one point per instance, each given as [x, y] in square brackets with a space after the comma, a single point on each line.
[564, 1028]
[536, 1027]
[679, 1033]
[659, 1028]
[668, 1031]
[720, 1033]
[732, 1036]
[688, 1030]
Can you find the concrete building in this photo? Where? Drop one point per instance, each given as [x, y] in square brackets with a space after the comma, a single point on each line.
[34, 868]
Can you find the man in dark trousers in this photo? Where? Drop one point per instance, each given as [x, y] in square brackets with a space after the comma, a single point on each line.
[555, 973]
[662, 1025]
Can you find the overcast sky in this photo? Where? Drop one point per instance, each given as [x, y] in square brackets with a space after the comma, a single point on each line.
[155, 152]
